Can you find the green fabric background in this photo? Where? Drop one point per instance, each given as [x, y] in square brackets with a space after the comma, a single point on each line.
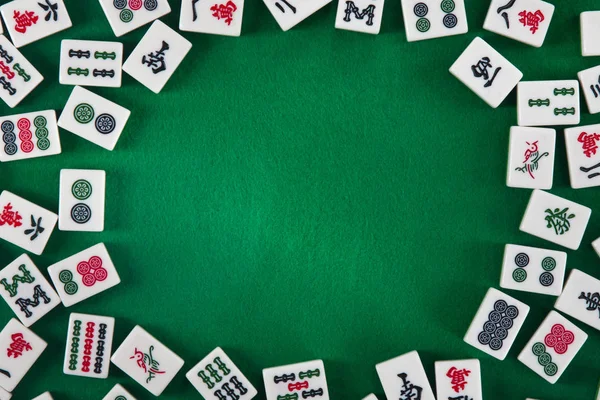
[307, 194]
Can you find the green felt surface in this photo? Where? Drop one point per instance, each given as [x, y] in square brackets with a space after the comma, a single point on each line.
[307, 194]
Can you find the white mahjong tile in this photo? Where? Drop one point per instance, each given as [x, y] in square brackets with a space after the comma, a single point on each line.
[496, 324]
[222, 17]
[596, 246]
[590, 31]
[5, 395]
[147, 361]
[543, 103]
[534, 270]
[590, 84]
[17, 76]
[524, 20]
[404, 374]
[359, 15]
[289, 13]
[84, 275]
[555, 219]
[216, 376]
[531, 157]
[89, 343]
[28, 21]
[429, 19]
[26, 290]
[81, 200]
[118, 392]
[458, 379]
[552, 347]
[486, 72]
[44, 396]
[25, 224]
[583, 155]
[20, 350]
[369, 397]
[94, 118]
[91, 63]
[580, 298]
[306, 380]
[29, 135]
[126, 15]
[157, 56]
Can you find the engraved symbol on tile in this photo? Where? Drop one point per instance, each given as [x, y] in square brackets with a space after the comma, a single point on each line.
[499, 322]
[81, 213]
[66, 277]
[224, 11]
[532, 158]
[36, 228]
[480, 70]
[544, 359]
[25, 303]
[79, 53]
[147, 362]
[368, 12]
[531, 19]
[592, 301]
[559, 220]
[156, 60]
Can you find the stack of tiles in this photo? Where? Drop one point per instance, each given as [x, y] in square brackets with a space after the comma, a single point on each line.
[90, 63]
[212, 17]
[18, 138]
[25, 224]
[28, 21]
[127, 15]
[303, 380]
[404, 374]
[289, 13]
[89, 343]
[18, 76]
[496, 324]
[94, 118]
[157, 56]
[84, 275]
[553, 347]
[533, 270]
[81, 200]
[458, 379]
[22, 348]
[216, 376]
[147, 361]
[26, 290]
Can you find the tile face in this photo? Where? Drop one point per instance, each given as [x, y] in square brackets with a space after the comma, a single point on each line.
[217, 377]
[29, 135]
[90, 63]
[581, 298]
[304, 380]
[82, 194]
[4, 395]
[404, 375]
[555, 219]
[25, 224]
[157, 56]
[429, 19]
[21, 349]
[542, 103]
[118, 392]
[28, 21]
[147, 361]
[534, 270]
[583, 156]
[216, 17]
[89, 343]
[483, 70]
[524, 20]
[17, 76]
[84, 275]
[552, 347]
[26, 291]
[454, 379]
[127, 15]
[370, 397]
[531, 158]
[590, 30]
[94, 118]
[44, 396]
[496, 324]
[359, 15]
[289, 13]
[590, 83]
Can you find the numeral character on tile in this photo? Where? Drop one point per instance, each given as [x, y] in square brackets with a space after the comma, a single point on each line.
[458, 379]
[288, 13]
[582, 155]
[222, 17]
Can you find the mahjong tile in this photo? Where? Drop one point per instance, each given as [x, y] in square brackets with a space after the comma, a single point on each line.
[531, 157]
[147, 361]
[126, 15]
[458, 379]
[405, 374]
[84, 275]
[90, 63]
[303, 380]
[44, 396]
[429, 19]
[543, 103]
[18, 77]
[29, 135]
[359, 15]
[590, 86]
[580, 298]
[26, 290]
[118, 392]
[25, 224]
[583, 156]
[289, 13]
[217, 17]
[81, 201]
